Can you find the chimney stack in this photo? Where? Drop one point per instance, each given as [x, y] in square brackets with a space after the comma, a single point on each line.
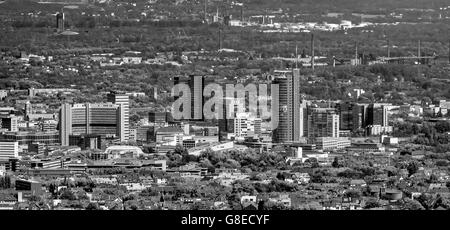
[312, 51]
[419, 54]
[388, 48]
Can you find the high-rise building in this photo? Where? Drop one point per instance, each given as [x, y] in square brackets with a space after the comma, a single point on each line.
[9, 122]
[225, 125]
[323, 122]
[303, 122]
[377, 114]
[106, 120]
[60, 22]
[65, 123]
[196, 86]
[350, 116]
[9, 149]
[365, 114]
[28, 108]
[288, 114]
[123, 101]
[159, 117]
[246, 125]
[229, 110]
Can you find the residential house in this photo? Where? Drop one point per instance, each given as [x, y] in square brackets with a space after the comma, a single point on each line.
[283, 199]
[357, 183]
[7, 201]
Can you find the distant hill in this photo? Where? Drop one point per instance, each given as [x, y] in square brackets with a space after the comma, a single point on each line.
[26, 6]
[343, 5]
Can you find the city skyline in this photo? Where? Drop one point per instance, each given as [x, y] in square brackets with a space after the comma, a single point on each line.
[224, 105]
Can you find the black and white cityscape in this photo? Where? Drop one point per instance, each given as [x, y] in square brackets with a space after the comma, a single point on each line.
[224, 105]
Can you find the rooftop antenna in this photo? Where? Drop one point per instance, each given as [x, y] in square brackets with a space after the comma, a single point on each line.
[205, 11]
[242, 12]
[419, 72]
[418, 49]
[419, 61]
[220, 38]
[312, 51]
[217, 13]
[296, 56]
[388, 48]
[356, 53]
[226, 6]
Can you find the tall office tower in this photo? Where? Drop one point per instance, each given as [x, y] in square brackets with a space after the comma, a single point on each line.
[101, 119]
[9, 122]
[28, 108]
[377, 114]
[176, 80]
[323, 122]
[123, 101]
[155, 92]
[303, 121]
[365, 114]
[65, 123]
[9, 150]
[350, 115]
[223, 129]
[60, 22]
[196, 85]
[288, 114]
[226, 124]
